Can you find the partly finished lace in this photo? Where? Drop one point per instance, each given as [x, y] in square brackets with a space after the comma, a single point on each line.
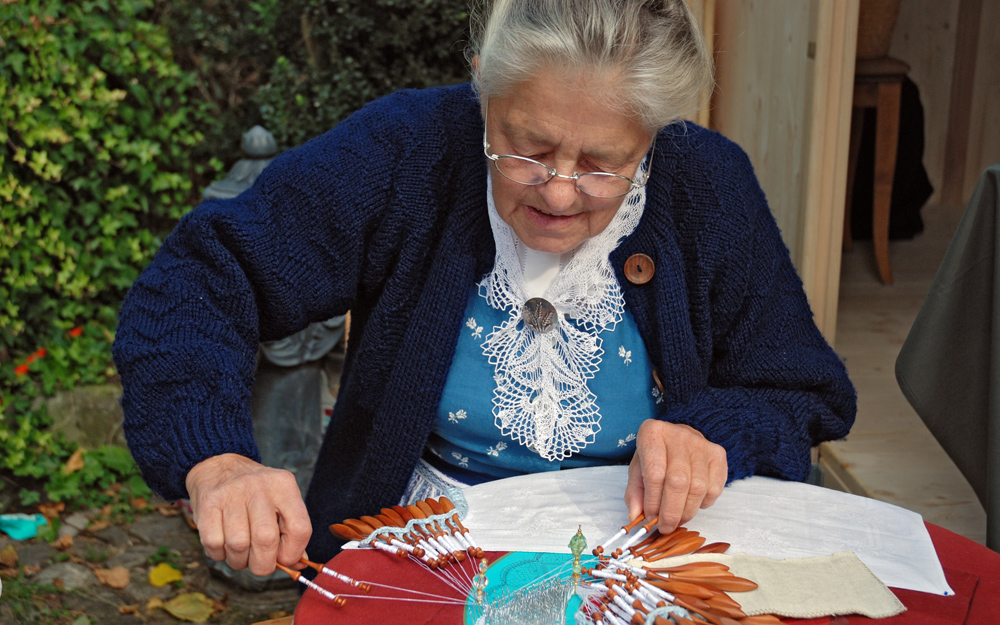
[542, 399]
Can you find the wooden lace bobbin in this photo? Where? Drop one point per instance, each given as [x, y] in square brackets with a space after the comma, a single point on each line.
[455, 534]
[430, 534]
[337, 600]
[448, 506]
[363, 586]
[637, 537]
[656, 541]
[685, 546]
[444, 537]
[598, 550]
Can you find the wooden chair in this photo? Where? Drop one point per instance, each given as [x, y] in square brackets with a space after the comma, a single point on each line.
[877, 84]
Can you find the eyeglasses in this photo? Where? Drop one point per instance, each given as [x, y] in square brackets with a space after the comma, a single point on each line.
[599, 184]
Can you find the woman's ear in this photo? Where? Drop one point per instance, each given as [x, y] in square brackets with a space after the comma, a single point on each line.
[475, 64]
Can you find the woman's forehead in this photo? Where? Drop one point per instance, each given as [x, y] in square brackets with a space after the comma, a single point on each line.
[551, 111]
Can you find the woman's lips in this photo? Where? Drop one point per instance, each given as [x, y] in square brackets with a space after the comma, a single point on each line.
[540, 216]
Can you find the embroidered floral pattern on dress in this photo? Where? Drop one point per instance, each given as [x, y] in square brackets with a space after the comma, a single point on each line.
[477, 330]
[495, 451]
[542, 399]
[454, 417]
[622, 442]
[626, 355]
[463, 461]
[657, 395]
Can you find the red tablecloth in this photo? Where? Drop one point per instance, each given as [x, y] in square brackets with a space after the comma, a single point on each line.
[973, 571]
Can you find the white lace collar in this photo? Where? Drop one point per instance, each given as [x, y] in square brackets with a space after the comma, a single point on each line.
[541, 399]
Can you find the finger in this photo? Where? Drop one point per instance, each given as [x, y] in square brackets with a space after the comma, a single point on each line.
[676, 484]
[634, 490]
[653, 473]
[718, 472]
[210, 532]
[236, 526]
[698, 489]
[264, 536]
[296, 529]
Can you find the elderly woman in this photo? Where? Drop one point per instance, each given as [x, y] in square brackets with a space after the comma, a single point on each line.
[545, 269]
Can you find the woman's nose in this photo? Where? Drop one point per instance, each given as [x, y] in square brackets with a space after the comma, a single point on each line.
[560, 194]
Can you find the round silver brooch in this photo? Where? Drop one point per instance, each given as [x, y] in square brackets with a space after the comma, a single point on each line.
[539, 314]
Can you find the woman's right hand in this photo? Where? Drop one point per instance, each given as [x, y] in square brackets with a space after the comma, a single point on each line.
[247, 514]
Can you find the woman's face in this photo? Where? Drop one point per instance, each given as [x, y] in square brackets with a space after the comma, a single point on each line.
[562, 124]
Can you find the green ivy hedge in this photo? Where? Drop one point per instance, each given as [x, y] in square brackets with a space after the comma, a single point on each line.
[96, 128]
[114, 115]
[97, 123]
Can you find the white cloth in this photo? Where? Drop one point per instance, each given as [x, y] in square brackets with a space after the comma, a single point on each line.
[542, 400]
[758, 516]
[804, 587]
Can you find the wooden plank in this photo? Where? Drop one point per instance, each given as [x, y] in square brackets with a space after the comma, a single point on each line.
[704, 12]
[760, 100]
[708, 30]
[960, 106]
[835, 23]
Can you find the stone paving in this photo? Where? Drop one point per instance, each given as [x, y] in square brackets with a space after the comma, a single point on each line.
[74, 590]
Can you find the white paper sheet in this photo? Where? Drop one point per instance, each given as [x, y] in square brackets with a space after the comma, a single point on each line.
[757, 516]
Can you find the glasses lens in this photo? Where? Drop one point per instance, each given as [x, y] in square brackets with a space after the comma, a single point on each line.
[605, 185]
[522, 170]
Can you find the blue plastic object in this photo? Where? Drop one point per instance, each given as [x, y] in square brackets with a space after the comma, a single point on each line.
[21, 526]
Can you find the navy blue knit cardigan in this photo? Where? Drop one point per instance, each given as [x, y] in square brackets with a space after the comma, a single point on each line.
[385, 216]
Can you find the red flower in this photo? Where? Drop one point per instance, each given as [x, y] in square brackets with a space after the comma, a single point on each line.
[30, 359]
[21, 369]
[77, 331]
[41, 353]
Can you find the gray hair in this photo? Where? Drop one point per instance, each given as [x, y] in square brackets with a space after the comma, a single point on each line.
[651, 49]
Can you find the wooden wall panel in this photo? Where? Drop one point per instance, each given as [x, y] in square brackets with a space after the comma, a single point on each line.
[760, 102]
[835, 24]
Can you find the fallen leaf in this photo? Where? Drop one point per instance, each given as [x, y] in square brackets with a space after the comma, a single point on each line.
[152, 604]
[31, 570]
[128, 609]
[168, 509]
[191, 606]
[9, 557]
[139, 503]
[163, 574]
[75, 462]
[106, 511]
[192, 565]
[277, 615]
[51, 510]
[117, 577]
[58, 583]
[97, 526]
[63, 542]
[8, 573]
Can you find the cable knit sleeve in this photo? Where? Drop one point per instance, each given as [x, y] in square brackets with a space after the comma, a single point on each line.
[260, 266]
[769, 387]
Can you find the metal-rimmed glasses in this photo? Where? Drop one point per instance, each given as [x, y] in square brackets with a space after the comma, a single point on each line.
[598, 184]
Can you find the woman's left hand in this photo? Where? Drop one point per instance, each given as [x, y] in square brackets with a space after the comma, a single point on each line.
[674, 472]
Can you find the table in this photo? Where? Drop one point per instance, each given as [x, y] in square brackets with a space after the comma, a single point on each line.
[973, 571]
